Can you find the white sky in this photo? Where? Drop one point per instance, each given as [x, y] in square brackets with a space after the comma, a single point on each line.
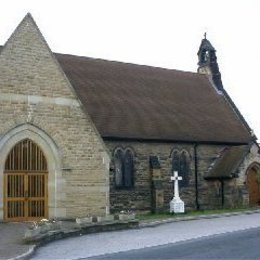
[164, 33]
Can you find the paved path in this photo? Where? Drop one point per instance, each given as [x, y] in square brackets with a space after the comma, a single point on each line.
[11, 235]
[111, 242]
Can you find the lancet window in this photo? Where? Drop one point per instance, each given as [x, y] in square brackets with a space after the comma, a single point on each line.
[124, 168]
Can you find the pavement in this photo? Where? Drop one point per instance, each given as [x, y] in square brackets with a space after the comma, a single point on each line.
[13, 247]
[11, 240]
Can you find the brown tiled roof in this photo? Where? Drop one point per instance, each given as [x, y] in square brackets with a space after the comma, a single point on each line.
[142, 102]
[227, 164]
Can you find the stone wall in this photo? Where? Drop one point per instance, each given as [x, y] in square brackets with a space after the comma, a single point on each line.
[139, 198]
[38, 102]
[236, 192]
[252, 158]
[208, 190]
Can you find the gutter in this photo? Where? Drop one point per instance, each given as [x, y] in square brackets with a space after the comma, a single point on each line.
[222, 193]
[196, 177]
[158, 140]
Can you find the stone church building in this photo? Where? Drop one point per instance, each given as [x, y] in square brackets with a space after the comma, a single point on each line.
[82, 136]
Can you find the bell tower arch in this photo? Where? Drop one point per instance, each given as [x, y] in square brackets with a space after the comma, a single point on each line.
[207, 62]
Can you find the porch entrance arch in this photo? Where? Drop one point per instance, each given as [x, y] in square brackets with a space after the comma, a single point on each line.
[253, 184]
[25, 183]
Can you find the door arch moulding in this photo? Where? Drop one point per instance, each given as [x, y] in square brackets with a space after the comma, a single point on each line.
[53, 156]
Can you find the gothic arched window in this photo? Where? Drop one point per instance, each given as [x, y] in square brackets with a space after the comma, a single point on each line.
[181, 165]
[175, 162]
[124, 168]
[119, 161]
[129, 169]
[184, 169]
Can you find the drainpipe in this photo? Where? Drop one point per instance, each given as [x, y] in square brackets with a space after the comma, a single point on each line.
[222, 193]
[196, 177]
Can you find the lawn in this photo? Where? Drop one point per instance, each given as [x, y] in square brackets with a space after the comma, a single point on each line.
[190, 213]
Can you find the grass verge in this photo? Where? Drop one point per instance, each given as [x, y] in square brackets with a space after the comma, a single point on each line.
[165, 215]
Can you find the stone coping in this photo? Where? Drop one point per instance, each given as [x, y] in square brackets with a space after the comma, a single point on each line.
[69, 229]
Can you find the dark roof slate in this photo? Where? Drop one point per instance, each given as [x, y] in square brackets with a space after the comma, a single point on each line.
[142, 102]
[227, 164]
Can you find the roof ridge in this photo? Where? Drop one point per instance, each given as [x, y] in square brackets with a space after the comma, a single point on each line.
[129, 63]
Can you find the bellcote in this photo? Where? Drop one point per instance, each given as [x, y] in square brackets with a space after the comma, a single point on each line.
[208, 62]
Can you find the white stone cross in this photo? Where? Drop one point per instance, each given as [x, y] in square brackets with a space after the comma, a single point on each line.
[176, 180]
[176, 204]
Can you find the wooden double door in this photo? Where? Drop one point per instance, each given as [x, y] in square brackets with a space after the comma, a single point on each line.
[25, 183]
[253, 187]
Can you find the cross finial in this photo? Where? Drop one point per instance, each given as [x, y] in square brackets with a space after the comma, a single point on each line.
[175, 177]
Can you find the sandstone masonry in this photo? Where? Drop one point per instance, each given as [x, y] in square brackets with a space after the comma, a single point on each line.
[37, 101]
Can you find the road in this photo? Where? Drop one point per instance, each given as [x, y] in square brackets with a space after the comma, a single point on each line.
[120, 241]
[236, 245]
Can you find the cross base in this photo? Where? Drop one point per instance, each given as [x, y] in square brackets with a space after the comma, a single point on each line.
[176, 205]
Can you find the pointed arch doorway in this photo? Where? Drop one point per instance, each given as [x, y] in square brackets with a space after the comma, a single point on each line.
[25, 183]
[253, 184]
